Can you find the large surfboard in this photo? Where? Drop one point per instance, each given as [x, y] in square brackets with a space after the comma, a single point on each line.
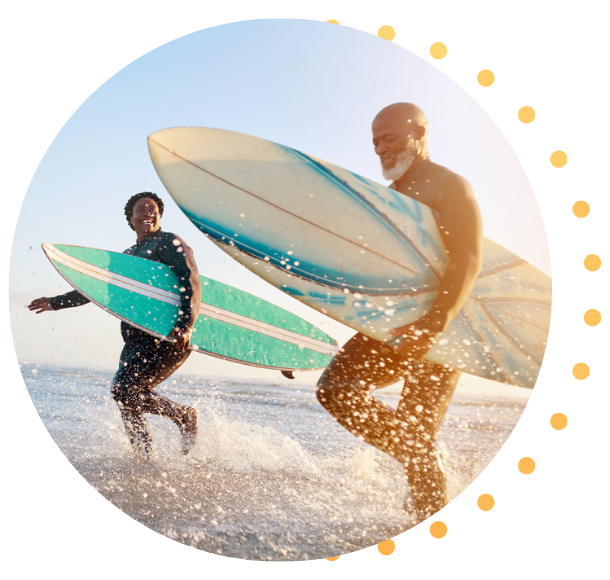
[351, 248]
[232, 324]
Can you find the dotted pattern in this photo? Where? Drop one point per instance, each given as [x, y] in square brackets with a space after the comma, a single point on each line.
[486, 78]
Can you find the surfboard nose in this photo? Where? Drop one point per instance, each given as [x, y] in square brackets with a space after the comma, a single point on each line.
[159, 137]
[158, 142]
[47, 248]
[175, 138]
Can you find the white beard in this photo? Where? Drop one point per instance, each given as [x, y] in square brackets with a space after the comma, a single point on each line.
[403, 163]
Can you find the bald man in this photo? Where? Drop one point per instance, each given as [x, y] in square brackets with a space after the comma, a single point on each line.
[400, 138]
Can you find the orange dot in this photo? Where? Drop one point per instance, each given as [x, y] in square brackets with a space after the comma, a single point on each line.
[559, 421]
[332, 22]
[526, 114]
[593, 262]
[581, 209]
[486, 78]
[332, 558]
[485, 502]
[438, 50]
[438, 530]
[559, 158]
[593, 317]
[386, 548]
[581, 371]
[387, 31]
[527, 465]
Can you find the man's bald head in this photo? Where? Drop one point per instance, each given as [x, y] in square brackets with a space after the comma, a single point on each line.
[400, 114]
[400, 137]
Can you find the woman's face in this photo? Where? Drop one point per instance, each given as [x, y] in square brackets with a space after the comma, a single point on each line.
[145, 217]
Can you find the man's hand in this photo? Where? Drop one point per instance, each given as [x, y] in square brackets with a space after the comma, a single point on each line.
[181, 338]
[420, 336]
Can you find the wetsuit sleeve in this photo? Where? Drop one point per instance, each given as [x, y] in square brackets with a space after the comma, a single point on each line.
[461, 229]
[69, 300]
[179, 257]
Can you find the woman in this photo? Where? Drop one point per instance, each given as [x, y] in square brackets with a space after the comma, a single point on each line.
[145, 360]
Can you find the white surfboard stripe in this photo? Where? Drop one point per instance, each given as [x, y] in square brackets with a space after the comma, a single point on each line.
[112, 277]
[213, 312]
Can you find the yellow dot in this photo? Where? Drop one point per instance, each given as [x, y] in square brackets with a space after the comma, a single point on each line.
[386, 548]
[486, 78]
[438, 530]
[438, 50]
[559, 421]
[526, 114]
[485, 502]
[559, 158]
[526, 465]
[332, 558]
[332, 22]
[593, 317]
[581, 371]
[593, 262]
[581, 209]
[386, 32]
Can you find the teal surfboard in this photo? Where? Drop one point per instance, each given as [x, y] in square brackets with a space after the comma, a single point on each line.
[232, 324]
[351, 248]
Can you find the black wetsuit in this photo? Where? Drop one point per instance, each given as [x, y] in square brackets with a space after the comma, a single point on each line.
[146, 361]
[364, 364]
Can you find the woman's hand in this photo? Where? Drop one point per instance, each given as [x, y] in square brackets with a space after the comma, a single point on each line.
[40, 305]
[181, 338]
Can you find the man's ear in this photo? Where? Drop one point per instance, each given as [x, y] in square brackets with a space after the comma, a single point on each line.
[420, 132]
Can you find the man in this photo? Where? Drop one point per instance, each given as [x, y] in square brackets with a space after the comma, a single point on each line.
[145, 360]
[400, 138]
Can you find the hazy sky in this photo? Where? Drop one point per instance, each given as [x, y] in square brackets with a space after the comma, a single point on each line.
[308, 85]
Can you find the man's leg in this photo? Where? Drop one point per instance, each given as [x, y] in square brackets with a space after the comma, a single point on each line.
[409, 434]
[425, 398]
[345, 387]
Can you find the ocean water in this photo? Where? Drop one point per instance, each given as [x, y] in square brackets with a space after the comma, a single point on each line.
[272, 476]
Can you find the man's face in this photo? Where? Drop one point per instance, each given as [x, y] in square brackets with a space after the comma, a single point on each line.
[394, 142]
[145, 217]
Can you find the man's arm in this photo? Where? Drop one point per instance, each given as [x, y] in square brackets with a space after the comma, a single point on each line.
[461, 229]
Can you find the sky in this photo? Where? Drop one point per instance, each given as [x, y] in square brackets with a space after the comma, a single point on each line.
[308, 85]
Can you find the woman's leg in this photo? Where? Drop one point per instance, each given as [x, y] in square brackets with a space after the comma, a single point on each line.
[143, 365]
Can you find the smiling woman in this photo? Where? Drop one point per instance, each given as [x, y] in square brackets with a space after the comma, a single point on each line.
[144, 212]
[145, 360]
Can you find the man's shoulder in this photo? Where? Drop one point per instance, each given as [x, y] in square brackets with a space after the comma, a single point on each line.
[449, 180]
[438, 187]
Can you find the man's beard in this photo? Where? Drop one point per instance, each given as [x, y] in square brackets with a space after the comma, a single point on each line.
[403, 163]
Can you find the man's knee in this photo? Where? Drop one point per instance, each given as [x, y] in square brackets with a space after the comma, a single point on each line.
[321, 393]
[332, 396]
